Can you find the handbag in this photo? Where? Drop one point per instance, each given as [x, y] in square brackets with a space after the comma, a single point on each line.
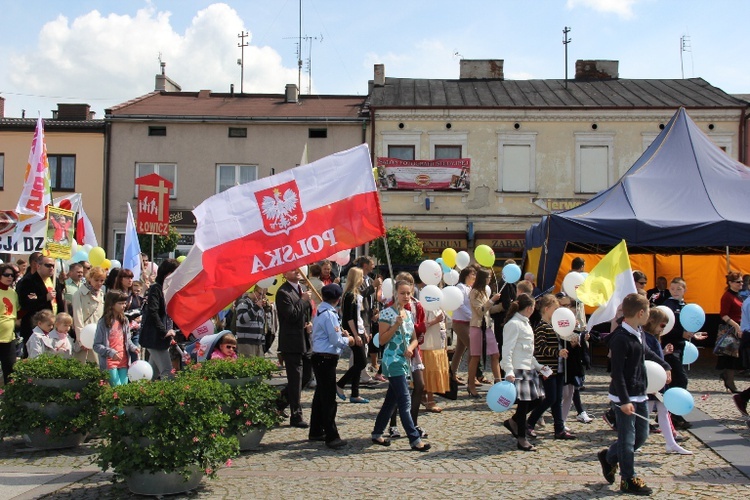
[727, 344]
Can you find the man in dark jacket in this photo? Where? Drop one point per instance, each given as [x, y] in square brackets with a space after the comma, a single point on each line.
[627, 393]
[294, 307]
[36, 292]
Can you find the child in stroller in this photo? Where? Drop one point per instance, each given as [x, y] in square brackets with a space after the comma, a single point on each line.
[222, 345]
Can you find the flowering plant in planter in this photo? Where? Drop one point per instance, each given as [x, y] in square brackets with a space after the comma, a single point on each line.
[253, 405]
[187, 429]
[242, 367]
[31, 402]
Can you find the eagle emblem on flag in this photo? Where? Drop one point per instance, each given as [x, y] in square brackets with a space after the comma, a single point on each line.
[281, 208]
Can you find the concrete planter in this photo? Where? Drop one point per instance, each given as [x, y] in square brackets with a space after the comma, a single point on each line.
[38, 439]
[251, 440]
[163, 483]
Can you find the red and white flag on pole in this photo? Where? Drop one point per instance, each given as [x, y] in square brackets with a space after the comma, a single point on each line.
[36, 194]
[263, 228]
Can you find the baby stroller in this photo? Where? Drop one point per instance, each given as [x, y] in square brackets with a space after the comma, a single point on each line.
[201, 349]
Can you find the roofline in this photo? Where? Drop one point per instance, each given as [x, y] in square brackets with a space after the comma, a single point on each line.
[559, 108]
[233, 119]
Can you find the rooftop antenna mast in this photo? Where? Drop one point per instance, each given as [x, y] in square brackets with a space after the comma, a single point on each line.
[309, 40]
[684, 47]
[241, 61]
[565, 42]
[299, 49]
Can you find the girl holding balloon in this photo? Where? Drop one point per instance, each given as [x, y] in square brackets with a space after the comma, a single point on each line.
[88, 308]
[480, 330]
[112, 341]
[657, 321]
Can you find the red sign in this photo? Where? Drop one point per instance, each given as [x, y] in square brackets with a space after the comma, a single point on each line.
[153, 204]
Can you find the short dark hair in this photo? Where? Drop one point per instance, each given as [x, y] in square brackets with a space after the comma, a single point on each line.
[165, 269]
[577, 263]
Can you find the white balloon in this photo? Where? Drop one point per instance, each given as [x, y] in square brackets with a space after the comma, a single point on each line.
[73, 247]
[266, 282]
[430, 272]
[451, 277]
[341, 258]
[430, 296]
[571, 282]
[86, 337]
[670, 318]
[387, 288]
[140, 370]
[488, 291]
[116, 264]
[656, 377]
[463, 259]
[87, 248]
[453, 298]
[564, 323]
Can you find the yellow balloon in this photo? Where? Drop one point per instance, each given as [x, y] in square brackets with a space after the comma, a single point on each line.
[449, 257]
[97, 256]
[485, 255]
[106, 264]
[181, 258]
[271, 290]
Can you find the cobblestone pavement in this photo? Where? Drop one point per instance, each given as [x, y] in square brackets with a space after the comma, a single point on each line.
[472, 456]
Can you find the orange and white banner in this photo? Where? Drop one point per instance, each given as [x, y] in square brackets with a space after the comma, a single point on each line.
[36, 193]
[263, 228]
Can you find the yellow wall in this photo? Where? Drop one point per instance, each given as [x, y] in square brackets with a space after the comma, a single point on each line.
[88, 147]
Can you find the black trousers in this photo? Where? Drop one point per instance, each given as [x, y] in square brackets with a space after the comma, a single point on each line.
[324, 406]
[679, 376]
[353, 373]
[8, 355]
[298, 374]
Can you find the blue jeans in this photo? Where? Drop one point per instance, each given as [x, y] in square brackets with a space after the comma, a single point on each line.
[631, 435]
[553, 391]
[397, 395]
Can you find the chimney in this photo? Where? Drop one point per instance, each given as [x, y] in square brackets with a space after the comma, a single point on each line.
[292, 93]
[481, 69]
[597, 69]
[72, 112]
[2, 107]
[379, 78]
[164, 83]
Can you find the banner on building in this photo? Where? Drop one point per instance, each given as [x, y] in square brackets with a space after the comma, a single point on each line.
[410, 175]
[60, 229]
[153, 204]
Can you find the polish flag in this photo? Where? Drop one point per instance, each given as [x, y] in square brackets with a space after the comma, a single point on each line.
[263, 228]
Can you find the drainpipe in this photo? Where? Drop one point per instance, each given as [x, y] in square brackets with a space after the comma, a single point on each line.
[105, 188]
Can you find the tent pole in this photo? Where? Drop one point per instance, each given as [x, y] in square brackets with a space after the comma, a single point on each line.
[729, 264]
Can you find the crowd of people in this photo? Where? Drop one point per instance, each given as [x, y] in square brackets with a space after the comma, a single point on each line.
[391, 339]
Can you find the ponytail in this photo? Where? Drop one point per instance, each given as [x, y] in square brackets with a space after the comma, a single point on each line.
[522, 302]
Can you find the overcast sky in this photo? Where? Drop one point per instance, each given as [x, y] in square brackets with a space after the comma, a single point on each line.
[106, 52]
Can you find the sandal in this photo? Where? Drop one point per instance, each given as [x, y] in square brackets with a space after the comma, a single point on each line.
[483, 380]
[433, 407]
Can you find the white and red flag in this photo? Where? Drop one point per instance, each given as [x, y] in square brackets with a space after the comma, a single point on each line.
[263, 228]
[36, 194]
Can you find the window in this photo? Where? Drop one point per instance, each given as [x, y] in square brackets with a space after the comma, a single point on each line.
[157, 131]
[442, 152]
[401, 152]
[166, 170]
[62, 172]
[2, 171]
[594, 162]
[237, 131]
[317, 133]
[516, 162]
[228, 176]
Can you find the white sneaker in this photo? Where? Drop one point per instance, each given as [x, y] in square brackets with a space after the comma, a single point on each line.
[584, 417]
[393, 431]
[312, 384]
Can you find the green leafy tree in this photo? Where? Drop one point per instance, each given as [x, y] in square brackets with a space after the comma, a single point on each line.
[403, 246]
[162, 244]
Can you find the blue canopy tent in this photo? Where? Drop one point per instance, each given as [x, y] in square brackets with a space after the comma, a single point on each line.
[684, 192]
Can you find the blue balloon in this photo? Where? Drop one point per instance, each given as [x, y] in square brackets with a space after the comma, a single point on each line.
[376, 340]
[443, 266]
[678, 401]
[511, 273]
[501, 396]
[692, 317]
[80, 256]
[690, 354]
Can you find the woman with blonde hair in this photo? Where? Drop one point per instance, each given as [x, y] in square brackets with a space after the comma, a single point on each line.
[88, 308]
[352, 321]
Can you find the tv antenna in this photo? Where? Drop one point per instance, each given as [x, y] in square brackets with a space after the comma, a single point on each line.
[565, 42]
[685, 47]
[241, 61]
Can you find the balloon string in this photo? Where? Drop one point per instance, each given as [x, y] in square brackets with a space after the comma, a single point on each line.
[636, 414]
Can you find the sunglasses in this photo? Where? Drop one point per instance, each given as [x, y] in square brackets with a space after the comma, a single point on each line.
[230, 347]
[738, 281]
[9, 275]
[49, 266]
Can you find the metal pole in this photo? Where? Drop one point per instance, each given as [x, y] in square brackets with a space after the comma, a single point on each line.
[152, 249]
[388, 258]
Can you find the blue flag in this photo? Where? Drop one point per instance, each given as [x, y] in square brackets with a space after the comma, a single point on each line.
[132, 255]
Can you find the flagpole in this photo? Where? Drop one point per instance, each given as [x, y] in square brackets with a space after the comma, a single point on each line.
[309, 285]
[388, 259]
